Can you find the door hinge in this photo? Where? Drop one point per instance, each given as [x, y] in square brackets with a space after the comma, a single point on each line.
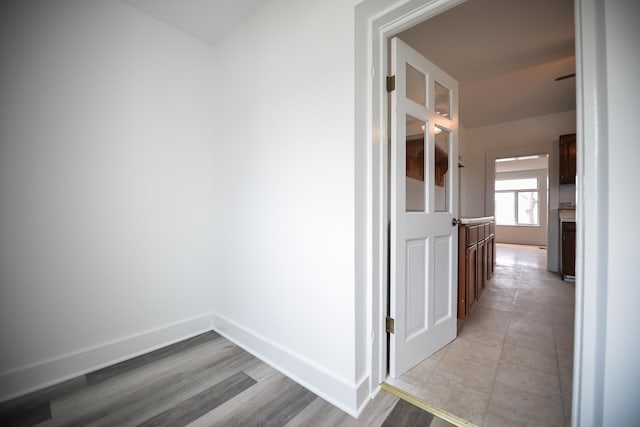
[391, 83]
[391, 329]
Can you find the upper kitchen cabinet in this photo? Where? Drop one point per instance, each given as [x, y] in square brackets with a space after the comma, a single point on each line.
[568, 159]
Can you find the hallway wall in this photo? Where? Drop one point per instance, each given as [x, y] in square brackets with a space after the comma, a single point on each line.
[285, 224]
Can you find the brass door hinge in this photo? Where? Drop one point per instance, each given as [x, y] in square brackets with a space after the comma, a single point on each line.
[391, 329]
[391, 83]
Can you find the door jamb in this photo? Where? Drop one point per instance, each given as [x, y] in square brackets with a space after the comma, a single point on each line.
[380, 29]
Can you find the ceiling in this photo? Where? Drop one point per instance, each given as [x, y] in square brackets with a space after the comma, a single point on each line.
[207, 20]
[505, 54]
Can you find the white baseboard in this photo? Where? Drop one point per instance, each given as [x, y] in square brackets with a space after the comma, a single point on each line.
[349, 397]
[30, 378]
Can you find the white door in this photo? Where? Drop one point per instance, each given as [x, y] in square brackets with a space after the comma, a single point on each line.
[424, 187]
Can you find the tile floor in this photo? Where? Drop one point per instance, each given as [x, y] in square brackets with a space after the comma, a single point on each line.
[511, 364]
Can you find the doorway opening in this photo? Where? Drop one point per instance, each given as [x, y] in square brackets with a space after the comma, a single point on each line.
[487, 357]
[521, 201]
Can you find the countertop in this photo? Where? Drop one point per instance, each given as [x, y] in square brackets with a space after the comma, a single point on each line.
[481, 220]
[567, 214]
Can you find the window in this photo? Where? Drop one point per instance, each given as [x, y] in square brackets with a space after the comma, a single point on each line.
[517, 202]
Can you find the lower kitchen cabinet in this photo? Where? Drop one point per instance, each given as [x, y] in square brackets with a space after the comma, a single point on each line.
[476, 262]
[491, 256]
[481, 280]
[568, 256]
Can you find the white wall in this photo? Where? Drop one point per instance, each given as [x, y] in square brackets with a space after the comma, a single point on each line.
[480, 147]
[285, 242]
[540, 134]
[567, 194]
[107, 188]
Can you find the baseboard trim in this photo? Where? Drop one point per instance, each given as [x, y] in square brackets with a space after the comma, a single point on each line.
[349, 397]
[364, 394]
[34, 377]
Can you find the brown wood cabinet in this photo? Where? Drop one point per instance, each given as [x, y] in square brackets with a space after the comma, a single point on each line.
[491, 256]
[481, 280]
[568, 159]
[568, 249]
[476, 263]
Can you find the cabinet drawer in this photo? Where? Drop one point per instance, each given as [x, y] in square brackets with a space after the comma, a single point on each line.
[481, 233]
[472, 235]
[492, 228]
[487, 230]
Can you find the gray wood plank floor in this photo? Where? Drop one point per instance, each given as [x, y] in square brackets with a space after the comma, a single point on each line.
[202, 381]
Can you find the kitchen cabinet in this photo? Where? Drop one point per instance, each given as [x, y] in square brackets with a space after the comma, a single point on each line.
[481, 280]
[568, 257]
[476, 261]
[469, 293]
[491, 256]
[568, 159]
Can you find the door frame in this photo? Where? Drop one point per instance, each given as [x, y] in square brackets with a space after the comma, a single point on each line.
[374, 30]
[375, 22]
[552, 242]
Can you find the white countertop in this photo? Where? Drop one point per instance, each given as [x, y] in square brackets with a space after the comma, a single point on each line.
[467, 221]
[567, 214]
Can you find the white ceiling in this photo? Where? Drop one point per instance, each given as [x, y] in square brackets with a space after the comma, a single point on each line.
[505, 54]
[207, 20]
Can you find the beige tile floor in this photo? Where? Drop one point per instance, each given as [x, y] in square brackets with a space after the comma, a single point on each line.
[511, 364]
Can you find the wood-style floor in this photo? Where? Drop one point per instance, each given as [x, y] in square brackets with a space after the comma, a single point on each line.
[203, 381]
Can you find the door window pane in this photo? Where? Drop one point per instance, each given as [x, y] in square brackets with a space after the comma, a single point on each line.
[415, 187]
[442, 101]
[416, 85]
[441, 177]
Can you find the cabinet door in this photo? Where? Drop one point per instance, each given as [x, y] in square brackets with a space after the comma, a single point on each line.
[472, 276]
[568, 249]
[472, 235]
[462, 272]
[568, 159]
[481, 277]
[491, 243]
